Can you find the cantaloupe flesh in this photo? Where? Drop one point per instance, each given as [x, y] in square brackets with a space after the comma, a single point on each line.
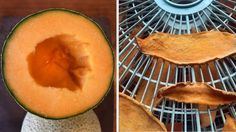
[49, 101]
[52, 63]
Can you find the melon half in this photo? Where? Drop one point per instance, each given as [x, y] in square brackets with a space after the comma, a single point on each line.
[57, 63]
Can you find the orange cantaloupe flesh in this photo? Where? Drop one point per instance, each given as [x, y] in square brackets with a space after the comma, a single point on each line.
[52, 64]
[57, 63]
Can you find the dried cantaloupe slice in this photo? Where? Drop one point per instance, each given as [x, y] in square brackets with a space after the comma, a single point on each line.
[196, 48]
[199, 93]
[134, 117]
[230, 124]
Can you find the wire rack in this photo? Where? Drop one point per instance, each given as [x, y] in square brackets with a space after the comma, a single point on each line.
[141, 75]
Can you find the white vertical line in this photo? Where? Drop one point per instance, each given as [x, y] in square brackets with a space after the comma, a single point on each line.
[117, 68]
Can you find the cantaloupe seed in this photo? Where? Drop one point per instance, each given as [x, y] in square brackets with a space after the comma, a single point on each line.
[53, 63]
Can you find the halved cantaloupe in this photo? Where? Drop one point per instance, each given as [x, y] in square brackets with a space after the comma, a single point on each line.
[57, 63]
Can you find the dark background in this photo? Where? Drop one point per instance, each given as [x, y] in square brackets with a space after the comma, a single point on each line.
[11, 11]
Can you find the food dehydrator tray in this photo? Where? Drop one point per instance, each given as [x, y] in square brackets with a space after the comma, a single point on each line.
[142, 75]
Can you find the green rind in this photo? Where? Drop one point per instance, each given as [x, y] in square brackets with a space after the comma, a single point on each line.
[10, 36]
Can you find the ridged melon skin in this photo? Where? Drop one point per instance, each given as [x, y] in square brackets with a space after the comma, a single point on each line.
[87, 122]
[11, 34]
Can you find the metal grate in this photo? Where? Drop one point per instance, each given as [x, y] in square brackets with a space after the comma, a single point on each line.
[141, 75]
